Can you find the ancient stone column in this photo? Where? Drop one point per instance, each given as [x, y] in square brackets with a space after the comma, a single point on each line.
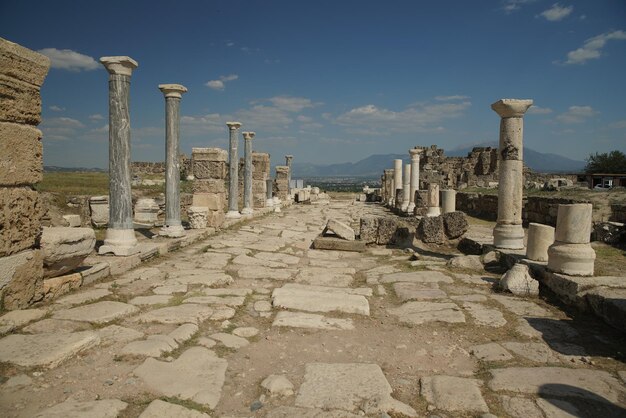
[389, 186]
[233, 158]
[120, 236]
[540, 238]
[406, 188]
[247, 179]
[270, 191]
[397, 179]
[448, 201]
[173, 93]
[288, 159]
[415, 177]
[571, 252]
[433, 200]
[508, 232]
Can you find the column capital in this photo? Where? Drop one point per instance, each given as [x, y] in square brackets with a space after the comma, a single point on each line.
[173, 90]
[248, 135]
[289, 157]
[415, 152]
[233, 126]
[120, 65]
[511, 108]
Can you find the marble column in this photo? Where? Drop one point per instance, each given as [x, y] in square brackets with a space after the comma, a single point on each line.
[120, 235]
[233, 158]
[406, 188]
[173, 93]
[389, 186]
[247, 173]
[448, 201]
[540, 238]
[433, 200]
[269, 184]
[571, 252]
[508, 232]
[288, 159]
[397, 180]
[415, 177]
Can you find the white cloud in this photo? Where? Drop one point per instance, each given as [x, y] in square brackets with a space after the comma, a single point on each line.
[592, 48]
[538, 110]
[556, 12]
[96, 117]
[291, 104]
[200, 125]
[230, 43]
[620, 124]
[269, 118]
[305, 119]
[220, 83]
[576, 114]
[56, 108]
[372, 120]
[66, 59]
[510, 6]
[451, 98]
[60, 129]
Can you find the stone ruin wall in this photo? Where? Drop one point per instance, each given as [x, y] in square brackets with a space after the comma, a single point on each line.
[22, 72]
[260, 173]
[142, 168]
[209, 185]
[281, 182]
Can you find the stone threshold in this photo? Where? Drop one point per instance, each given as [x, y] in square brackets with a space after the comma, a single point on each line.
[602, 296]
[100, 267]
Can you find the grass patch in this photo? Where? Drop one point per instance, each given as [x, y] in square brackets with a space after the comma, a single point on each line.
[610, 261]
[75, 183]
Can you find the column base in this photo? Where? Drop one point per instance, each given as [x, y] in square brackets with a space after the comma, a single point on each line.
[174, 231]
[510, 237]
[571, 259]
[433, 211]
[269, 203]
[404, 207]
[411, 209]
[233, 214]
[247, 211]
[120, 242]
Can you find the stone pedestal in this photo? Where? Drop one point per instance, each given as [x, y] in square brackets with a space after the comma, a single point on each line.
[260, 174]
[433, 200]
[415, 177]
[540, 238]
[508, 232]
[146, 211]
[173, 227]
[448, 201]
[120, 236]
[233, 161]
[571, 252]
[406, 186]
[198, 217]
[247, 179]
[99, 210]
[281, 181]
[209, 185]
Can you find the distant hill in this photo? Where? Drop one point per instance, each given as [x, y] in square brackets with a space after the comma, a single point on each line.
[374, 165]
[55, 169]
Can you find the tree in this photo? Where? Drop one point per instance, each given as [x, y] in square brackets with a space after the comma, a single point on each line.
[613, 162]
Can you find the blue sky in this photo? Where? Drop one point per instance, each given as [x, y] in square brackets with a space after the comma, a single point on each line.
[330, 81]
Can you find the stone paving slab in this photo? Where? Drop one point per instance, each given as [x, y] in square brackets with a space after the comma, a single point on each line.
[484, 315]
[150, 300]
[246, 260]
[83, 297]
[558, 381]
[97, 313]
[228, 291]
[521, 307]
[115, 334]
[537, 352]
[348, 386]
[406, 291]
[421, 312]
[229, 340]
[325, 276]
[313, 300]
[106, 408]
[307, 320]
[363, 291]
[204, 277]
[197, 375]
[45, 350]
[417, 277]
[266, 273]
[50, 325]
[169, 289]
[451, 393]
[490, 352]
[162, 409]
[188, 312]
[15, 319]
[216, 300]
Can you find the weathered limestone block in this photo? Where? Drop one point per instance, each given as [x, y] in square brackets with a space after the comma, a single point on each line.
[209, 186]
[455, 224]
[216, 218]
[430, 230]
[60, 285]
[369, 230]
[197, 216]
[571, 252]
[209, 154]
[99, 208]
[540, 237]
[20, 219]
[212, 201]
[21, 102]
[146, 211]
[260, 165]
[73, 221]
[21, 159]
[203, 169]
[519, 281]
[64, 249]
[340, 229]
[21, 279]
[23, 64]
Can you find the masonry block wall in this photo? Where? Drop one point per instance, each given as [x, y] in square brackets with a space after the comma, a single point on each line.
[260, 173]
[281, 182]
[22, 72]
[209, 185]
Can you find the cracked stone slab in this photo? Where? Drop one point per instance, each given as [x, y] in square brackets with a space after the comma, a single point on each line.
[278, 257]
[169, 289]
[229, 340]
[216, 300]
[522, 307]
[417, 277]
[490, 352]
[363, 291]
[415, 291]
[420, 312]
[485, 316]
[97, 313]
[115, 333]
[18, 318]
[150, 300]
[183, 333]
[161, 409]
[153, 346]
[310, 299]
[558, 381]
[325, 276]
[227, 291]
[308, 320]
[246, 332]
[106, 408]
[451, 393]
[537, 352]
[197, 375]
[50, 325]
[187, 312]
[246, 260]
[210, 278]
[45, 350]
[83, 297]
[251, 272]
[293, 411]
[350, 387]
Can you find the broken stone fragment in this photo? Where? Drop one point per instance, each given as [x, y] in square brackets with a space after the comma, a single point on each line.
[340, 229]
[519, 281]
[65, 248]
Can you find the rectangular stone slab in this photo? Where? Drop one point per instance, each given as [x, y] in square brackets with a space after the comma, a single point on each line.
[308, 320]
[311, 300]
[338, 244]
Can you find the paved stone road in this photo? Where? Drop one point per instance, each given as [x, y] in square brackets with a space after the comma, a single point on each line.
[252, 322]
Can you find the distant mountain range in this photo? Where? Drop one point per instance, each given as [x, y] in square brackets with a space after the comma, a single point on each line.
[374, 165]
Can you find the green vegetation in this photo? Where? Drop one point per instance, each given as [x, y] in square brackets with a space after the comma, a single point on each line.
[613, 162]
[75, 183]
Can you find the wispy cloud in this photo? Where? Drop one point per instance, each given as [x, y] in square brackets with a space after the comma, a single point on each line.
[576, 114]
[556, 12]
[592, 48]
[60, 129]
[66, 59]
[206, 124]
[451, 98]
[291, 104]
[620, 124]
[510, 6]
[96, 117]
[220, 83]
[56, 108]
[538, 110]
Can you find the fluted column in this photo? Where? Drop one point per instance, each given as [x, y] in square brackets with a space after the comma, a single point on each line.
[120, 236]
[173, 93]
[247, 170]
[233, 157]
[415, 177]
[397, 179]
[406, 188]
[508, 232]
[433, 200]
